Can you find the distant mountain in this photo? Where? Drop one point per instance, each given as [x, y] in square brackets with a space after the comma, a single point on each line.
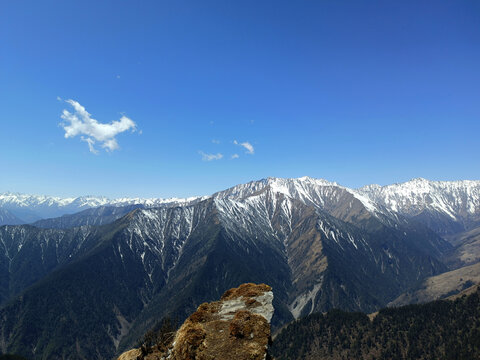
[92, 291]
[96, 216]
[31, 208]
[8, 218]
[447, 207]
[436, 330]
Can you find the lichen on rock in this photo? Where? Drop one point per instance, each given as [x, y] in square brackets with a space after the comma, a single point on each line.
[236, 327]
[133, 354]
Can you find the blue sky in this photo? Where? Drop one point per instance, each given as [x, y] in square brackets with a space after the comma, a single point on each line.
[356, 92]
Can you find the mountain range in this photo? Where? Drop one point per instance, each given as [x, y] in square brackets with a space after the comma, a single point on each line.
[450, 201]
[30, 208]
[88, 284]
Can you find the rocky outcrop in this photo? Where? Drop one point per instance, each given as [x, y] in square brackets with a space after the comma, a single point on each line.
[236, 327]
[133, 354]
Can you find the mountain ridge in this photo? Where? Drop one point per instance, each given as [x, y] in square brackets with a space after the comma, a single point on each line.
[319, 245]
[369, 193]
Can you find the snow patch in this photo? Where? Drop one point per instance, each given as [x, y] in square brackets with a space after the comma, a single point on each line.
[296, 307]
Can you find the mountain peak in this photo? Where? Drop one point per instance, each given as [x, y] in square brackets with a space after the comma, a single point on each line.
[450, 198]
[419, 180]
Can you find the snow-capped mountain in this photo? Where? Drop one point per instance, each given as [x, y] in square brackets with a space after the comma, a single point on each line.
[414, 196]
[457, 201]
[30, 208]
[446, 206]
[319, 244]
[454, 198]
[318, 192]
[271, 213]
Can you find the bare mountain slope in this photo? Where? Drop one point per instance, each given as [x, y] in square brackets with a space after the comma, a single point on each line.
[441, 286]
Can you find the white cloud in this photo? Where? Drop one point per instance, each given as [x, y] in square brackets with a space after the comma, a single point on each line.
[90, 143]
[215, 141]
[91, 131]
[235, 156]
[248, 147]
[210, 157]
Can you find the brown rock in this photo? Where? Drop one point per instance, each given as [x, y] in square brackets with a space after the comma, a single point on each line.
[130, 355]
[236, 327]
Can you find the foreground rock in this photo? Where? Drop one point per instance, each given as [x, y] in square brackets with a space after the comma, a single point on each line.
[133, 354]
[236, 327]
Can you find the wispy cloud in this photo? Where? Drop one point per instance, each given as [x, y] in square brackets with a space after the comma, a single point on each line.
[235, 156]
[210, 157]
[90, 143]
[248, 147]
[91, 131]
[215, 141]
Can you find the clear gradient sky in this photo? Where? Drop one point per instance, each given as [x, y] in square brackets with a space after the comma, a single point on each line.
[356, 92]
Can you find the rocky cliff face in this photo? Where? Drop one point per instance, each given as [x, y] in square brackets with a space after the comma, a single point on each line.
[236, 327]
